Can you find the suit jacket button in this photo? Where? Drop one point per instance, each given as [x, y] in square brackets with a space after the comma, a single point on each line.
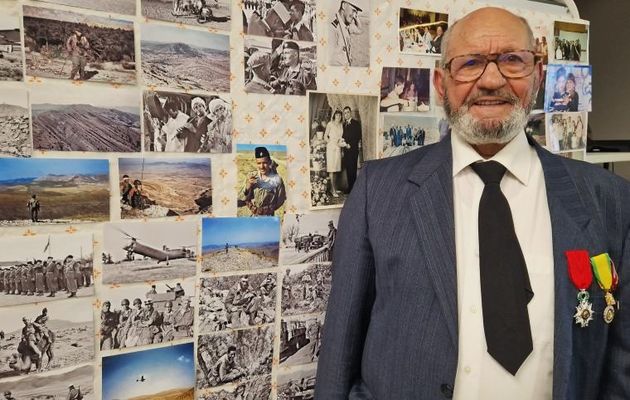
[447, 390]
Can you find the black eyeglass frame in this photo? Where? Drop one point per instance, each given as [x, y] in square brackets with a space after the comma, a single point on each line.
[492, 57]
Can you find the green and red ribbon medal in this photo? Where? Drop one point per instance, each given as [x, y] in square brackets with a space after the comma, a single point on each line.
[607, 278]
[581, 275]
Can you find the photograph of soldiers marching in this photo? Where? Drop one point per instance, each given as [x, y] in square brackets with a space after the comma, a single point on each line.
[287, 19]
[308, 238]
[349, 33]
[72, 383]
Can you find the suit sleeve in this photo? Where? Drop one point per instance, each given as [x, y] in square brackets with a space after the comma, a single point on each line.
[351, 298]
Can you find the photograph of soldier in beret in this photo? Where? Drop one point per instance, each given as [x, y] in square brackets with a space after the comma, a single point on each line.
[308, 238]
[349, 33]
[305, 288]
[262, 170]
[76, 384]
[258, 387]
[287, 19]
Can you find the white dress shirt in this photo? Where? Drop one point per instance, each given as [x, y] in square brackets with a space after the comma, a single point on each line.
[479, 376]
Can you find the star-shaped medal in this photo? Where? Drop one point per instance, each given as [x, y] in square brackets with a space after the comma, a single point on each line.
[583, 314]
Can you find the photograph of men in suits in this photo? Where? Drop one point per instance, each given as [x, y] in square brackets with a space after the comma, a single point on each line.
[352, 136]
[435, 293]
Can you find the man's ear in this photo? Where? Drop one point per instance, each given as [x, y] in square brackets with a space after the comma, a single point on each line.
[438, 84]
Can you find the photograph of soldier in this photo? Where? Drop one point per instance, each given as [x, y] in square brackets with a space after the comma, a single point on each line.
[15, 131]
[256, 388]
[75, 384]
[234, 356]
[10, 43]
[308, 238]
[570, 42]
[420, 32]
[40, 338]
[402, 133]
[277, 66]
[568, 88]
[305, 288]
[262, 170]
[67, 45]
[297, 385]
[405, 89]
[536, 128]
[287, 19]
[237, 301]
[35, 269]
[300, 340]
[180, 122]
[566, 131]
[213, 14]
[349, 33]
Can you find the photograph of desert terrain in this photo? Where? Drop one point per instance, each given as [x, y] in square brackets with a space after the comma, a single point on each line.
[10, 44]
[127, 7]
[54, 385]
[213, 14]
[15, 137]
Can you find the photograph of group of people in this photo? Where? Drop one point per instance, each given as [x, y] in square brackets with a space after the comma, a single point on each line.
[566, 131]
[405, 89]
[421, 32]
[287, 19]
[570, 42]
[568, 88]
[401, 133]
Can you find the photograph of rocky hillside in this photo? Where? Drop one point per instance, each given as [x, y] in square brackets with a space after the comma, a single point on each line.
[15, 138]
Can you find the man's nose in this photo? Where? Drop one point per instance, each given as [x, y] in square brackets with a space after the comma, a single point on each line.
[491, 77]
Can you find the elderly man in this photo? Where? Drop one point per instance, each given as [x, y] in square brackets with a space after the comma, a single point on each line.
[472, 294]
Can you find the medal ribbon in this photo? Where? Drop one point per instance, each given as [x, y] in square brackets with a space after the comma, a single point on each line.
[604, 272]
[579, 266]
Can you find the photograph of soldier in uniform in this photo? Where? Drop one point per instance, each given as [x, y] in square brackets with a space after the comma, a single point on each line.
[71, 118]
[297, 385]
[536, 128]
[212, 14]
[185, 123]
[67, 384]
[342, 136]
[127, 7]
[568, 88]
[237, 301]
[46, 337]
[286, 19]
[305, 288]
[405, 89]
[53, 191]
[142, 251]
[233, 357]
[36, 269]
[10, 43]
[186, 59]
[164, 373]
[570, 42]
[566, 131]
[420, 32]
[164, 187]
[262, 170]
[309, 238]
[67, 45]
[277, 66]
[15, 132]
[231, 244]
[257, 388]
[402, 133]
[349, 33]
[300, 340]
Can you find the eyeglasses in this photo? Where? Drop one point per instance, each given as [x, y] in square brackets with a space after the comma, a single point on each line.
[511, 64]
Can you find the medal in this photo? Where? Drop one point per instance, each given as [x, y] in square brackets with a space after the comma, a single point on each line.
[607, 278]
[581, 276]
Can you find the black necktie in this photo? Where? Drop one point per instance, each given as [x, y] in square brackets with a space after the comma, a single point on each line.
[505, 287]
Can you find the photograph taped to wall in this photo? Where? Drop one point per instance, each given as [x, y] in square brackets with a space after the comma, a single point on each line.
[277, 66]
[292, 19]
[305, 288]
[297, 385]
[308, 238]
[542, 36]
[231, 244]
[15, 131]
[568, 88]
[38, 268]
[68, 45]
[262, 171]
[234, 356]
[127, 7]
[342, 136]
[349, 33]
[570, 42]
[142, 315]
[300, 340]
[259, 388]
[142, 251]
[420, 32]
[405, 89]
[181, 122]
[71, 383]
[53, 191]
[402, 133]
[166, 373]
[61, 331]
[212, 14]
[536, 128]
[185, 58]
[164, 187]
[10, 43]
[236, 301]
[566, 131]
[77, 119]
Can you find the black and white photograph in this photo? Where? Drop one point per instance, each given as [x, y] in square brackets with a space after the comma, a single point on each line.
[297, 385]
[236, 301]
[286, 19]
[420, 32]
[127, 7]
[566, 131]
[405, 90]
[342, 136]
[164, 187]
[568, 88]
[305, 288]
[234, 356]
[37, 191]
[11, 67]
[536, 128]
[570, 42]
[539, 105]
[257, 388]
[141, 315]
[185, 59]
[15, 132]
[212, 14]
[402, 133]
[300, 340]
[232, 244]
[44, 337]
[349, 33]
[80, 47]
[40, 268]
[280, 66]
[68, 383]
[142, 251]
[185, 123]
[101, 119]
[542, 33]
[308, 238]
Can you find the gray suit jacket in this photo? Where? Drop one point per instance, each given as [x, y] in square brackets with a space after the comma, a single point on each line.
[391, 326]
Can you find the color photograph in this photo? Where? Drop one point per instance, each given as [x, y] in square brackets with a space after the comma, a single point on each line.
[11, 68]
[212, 14]
[15, 132]
[570, 42]
[348, 33]
[308, 238]
[305, 288]
[405, 90]
[127, 7]
[300, 340]
[72, 383]
[568, 88]
[402, 133]
[566, 131]
[420, 32]
[295, 20]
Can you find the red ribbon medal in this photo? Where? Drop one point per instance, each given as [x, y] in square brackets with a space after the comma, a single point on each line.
[581, 275]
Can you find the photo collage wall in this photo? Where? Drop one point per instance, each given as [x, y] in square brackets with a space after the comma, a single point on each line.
[172, 174]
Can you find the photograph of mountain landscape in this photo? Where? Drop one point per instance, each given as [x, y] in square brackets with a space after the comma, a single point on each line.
[127, 7]
[10, 44]
[185, 58]
[73, 119]
[53, 385]
[15, 137]
[58, 191]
